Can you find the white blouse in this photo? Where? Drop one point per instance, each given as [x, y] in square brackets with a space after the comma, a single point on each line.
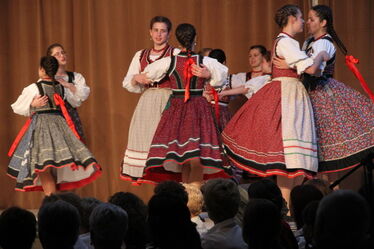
[256, 84]
[238, 79]
[23, 102]
[319, 46]
[82, 92]
[134, 69]
[289, 49]
[158, 69]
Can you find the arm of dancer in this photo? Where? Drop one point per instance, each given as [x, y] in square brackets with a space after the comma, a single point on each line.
[320, 46]
[297, 59]
[130, 82]
[76, 93]
[249, 88]
[218, 72]
[24, 101]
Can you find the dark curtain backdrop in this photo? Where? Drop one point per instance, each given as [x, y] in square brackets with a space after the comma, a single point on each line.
[101, 37]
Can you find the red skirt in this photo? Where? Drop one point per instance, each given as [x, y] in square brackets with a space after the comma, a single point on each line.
[253, 137]
[186, 131]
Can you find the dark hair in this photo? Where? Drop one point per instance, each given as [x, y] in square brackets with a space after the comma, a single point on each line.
[260, 48]
[266, 189]
[300, 197]
[221, 197]
[170, 224]
[218, 54]
[282, 14]
[50, 65]
[108, 226]
[172, 188]
[69, 197]
[309, 217]
[321, 184]
[267, 56]
[58, 225]
[162, 19]
[342, 221]
[88, 204]
[185, 34]
[52, 46]
[136, 236]
[325, 13]
[17, 229]
[262, 225]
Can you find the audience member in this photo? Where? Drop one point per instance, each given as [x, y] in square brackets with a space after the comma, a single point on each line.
[221, 197]
[136, 236]
[58, 224]
[108, 226]
[262, 225]
[17, 229]
[342, 222]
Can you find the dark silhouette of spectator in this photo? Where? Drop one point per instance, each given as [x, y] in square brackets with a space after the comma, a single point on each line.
[322, 185]
[74, 200]
[342, 222]
[170, 224]
[88, 204]
[368, 195]
[17, 229]
[309, 217]
[267, 189]
[300, 197]
[58, 224]
[221, 197]
[262, 225]
[136, 236]
[172, 188]
[108, 226]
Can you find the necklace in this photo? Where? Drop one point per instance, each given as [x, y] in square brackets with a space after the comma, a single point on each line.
[160, 50]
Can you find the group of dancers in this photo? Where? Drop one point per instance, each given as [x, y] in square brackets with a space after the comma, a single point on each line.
[298, 120]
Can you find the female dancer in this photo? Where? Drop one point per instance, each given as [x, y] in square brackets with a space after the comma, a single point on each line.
[273, 133]
[47, 155]
[344, 117]
[74, 83]
[256, 56]
[186, 146]
[152, 102]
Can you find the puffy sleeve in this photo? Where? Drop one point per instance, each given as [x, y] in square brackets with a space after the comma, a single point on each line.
[256, 84]
[157, 70]
[22, 104]
[297, 59]
[238, 80]
[82, 92]
[323, 45]
[134, 69]
[217, 70]
[176, 51]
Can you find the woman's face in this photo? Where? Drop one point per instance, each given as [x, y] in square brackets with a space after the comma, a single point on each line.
[255, 58]
[299, 22]
[159, 33]
[314, 23]
[60, 55]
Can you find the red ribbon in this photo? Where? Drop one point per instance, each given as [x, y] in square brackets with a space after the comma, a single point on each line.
[19, 137]
[187, 75]
[351, 61]
[216, 103]
[60, 102]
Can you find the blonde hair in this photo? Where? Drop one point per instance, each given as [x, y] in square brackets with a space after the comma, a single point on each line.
[195, 199]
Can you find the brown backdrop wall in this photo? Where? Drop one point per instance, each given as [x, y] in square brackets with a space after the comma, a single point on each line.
[101, 36]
